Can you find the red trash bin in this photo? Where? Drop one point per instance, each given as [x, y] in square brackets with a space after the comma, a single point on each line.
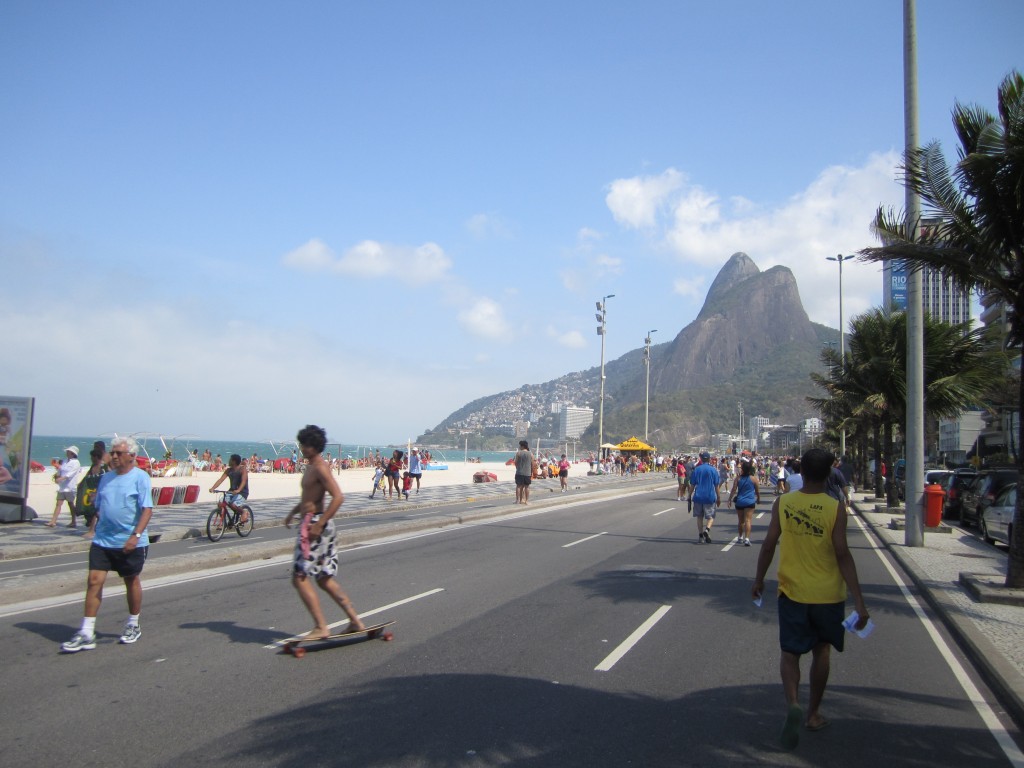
[933, 500]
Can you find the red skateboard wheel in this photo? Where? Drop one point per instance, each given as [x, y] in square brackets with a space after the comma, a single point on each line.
[299, 653]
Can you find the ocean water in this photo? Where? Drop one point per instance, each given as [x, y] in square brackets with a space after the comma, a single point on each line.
[45, 448]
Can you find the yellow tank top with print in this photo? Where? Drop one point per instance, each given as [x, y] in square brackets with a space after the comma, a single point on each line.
[808, 571]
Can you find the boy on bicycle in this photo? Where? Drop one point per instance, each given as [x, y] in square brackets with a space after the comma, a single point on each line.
[238, 485]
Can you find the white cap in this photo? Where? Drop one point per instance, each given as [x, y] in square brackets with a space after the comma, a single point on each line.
[72, 449]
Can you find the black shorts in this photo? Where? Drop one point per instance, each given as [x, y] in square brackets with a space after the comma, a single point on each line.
[523, 480]
[563, 473]
[802, 626]
[107, 559]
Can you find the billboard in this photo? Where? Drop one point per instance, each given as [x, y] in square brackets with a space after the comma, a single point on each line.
[897, 286]
[15, 447]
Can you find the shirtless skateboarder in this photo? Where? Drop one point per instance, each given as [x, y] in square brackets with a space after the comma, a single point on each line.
[316, 553]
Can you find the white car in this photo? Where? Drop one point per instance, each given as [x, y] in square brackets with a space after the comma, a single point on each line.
[997, 519]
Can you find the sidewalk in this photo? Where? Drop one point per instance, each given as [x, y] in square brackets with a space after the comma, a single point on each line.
[990, 634]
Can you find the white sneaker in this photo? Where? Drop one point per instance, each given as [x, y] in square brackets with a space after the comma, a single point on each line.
[132, 632]
[80, 642]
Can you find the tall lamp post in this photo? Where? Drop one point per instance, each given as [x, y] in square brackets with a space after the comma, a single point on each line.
[602, 317]
[647, 365]
[842, 337]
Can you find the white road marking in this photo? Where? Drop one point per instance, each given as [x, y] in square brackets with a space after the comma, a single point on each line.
[759, 515]
[1009, 747]
[613, 658]
[663, 512]
[230, 543]
[580, 541]
[731, 544]
[363, 615]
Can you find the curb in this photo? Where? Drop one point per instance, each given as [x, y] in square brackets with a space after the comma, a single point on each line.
[1002, 677]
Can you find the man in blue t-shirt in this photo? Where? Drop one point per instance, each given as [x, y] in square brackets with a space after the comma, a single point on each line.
[704, 496]
[124, 505]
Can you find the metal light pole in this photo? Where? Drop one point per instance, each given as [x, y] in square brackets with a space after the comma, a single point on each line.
[842, 337]
[647, 365]
[914, 477]
[602, 316]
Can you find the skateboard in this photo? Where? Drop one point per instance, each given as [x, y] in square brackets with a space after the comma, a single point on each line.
[294, 647]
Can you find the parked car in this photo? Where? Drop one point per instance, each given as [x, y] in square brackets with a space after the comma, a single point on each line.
[957, 483]
[983, 492]
[939, 476]
[997, 519]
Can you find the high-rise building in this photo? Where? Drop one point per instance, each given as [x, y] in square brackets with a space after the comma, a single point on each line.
[573, 422]
[941, 298]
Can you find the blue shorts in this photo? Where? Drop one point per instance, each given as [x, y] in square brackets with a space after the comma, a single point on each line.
[802, 626]
[706, 511]
[234, 498]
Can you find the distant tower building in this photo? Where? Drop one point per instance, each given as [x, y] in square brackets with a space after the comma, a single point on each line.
[573, 422]
[941, 298]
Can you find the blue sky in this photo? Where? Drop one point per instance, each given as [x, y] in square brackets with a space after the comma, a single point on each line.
[234, 218]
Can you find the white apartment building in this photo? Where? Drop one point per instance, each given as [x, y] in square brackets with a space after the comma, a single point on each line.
[573, 421]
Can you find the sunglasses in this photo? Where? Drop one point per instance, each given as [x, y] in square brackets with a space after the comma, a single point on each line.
[119, 453]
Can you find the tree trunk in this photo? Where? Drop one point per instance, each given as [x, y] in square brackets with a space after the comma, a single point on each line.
[863, 460]
[1015, 562]
[879, 487]
[891, 497]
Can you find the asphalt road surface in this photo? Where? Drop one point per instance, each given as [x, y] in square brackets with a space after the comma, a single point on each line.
[598, 633]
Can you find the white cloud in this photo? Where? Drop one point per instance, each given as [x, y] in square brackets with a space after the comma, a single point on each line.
[314, 256]
[586, 235]
[636, 202]
[691, 288]
[484, 318]
[832, 215]
[485, 226]
[370, 259]
[608, 265]
[568, 339]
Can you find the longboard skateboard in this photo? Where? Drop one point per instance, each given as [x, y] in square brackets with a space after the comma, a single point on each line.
[294, 647]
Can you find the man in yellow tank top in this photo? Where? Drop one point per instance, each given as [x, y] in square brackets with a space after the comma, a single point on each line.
[815, 570]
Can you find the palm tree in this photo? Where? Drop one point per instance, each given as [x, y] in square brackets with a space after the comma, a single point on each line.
[979, 240]
[870, 389]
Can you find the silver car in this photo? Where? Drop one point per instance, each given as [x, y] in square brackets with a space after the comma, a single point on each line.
[997, 519]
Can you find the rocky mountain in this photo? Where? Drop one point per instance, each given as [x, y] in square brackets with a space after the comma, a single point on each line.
[751, 343]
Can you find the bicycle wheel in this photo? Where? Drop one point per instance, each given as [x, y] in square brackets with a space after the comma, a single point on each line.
[215, 525]
[244, 529]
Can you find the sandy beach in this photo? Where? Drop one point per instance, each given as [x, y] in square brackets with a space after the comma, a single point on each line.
[276, 485]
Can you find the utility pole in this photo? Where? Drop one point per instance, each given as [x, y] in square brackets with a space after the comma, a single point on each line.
[914, 477]
[842, 337]
[647, 365]
[602, 317]
[740, 406]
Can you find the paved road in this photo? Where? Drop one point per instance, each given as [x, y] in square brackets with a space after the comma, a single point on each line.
[513, 647]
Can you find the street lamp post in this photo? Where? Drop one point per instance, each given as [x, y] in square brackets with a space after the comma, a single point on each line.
[842, 338]
[602, 317]
[647, 365]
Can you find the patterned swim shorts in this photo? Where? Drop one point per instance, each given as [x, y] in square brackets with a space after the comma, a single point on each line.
[317, 558]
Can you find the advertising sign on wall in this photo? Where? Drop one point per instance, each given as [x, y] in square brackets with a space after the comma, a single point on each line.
[15, 446]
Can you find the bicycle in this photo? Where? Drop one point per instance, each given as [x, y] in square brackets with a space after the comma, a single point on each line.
[223, 518]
